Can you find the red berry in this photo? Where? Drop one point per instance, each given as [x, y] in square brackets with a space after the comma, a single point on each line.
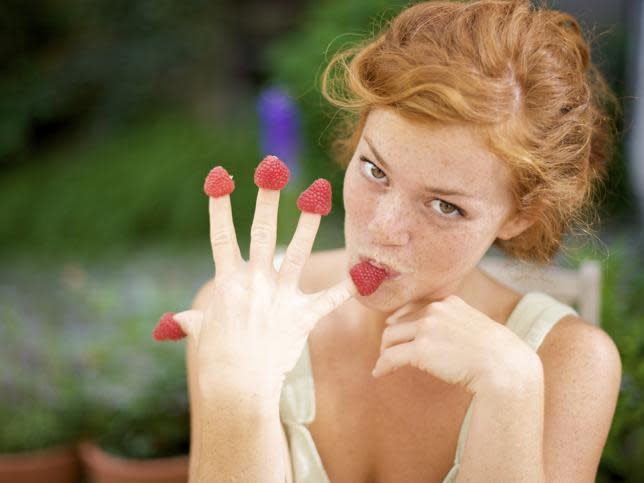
[271, 173]
[316, 198]
[167, 328]
[366, 277]
[218, 183]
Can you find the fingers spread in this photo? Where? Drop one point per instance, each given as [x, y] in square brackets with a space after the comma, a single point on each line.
[299, 249]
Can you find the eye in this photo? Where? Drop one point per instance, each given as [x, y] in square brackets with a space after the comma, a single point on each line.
[446, 209]
[373, 171]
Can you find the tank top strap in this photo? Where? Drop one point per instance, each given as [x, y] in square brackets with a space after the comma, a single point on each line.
[533, 317]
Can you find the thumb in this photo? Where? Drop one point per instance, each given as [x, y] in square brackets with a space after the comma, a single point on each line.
[175, 326]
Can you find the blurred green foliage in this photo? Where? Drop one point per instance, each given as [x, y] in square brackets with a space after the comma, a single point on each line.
[41, 403]
[143, 183]
[79, 360]
[77, 64]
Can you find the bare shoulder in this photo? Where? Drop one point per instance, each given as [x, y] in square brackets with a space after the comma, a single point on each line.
[573, 337]
[582, 374]
[323, 269]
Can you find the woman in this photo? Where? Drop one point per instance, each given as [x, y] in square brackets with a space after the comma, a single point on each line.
[478, 124]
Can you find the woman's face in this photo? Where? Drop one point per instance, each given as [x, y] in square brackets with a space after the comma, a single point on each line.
[401, 212]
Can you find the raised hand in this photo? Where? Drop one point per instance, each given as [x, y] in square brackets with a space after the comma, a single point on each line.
[256, 323]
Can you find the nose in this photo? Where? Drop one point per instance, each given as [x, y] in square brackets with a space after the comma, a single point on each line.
[389, 223]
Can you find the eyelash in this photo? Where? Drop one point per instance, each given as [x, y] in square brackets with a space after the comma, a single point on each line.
[458, 210]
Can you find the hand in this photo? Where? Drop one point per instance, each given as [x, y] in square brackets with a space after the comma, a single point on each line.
[256, 323]
[452, 341]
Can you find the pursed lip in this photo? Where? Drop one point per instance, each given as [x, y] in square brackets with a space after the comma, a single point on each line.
[391, 273]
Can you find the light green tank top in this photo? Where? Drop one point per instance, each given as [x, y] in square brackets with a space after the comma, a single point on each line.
[532, 318]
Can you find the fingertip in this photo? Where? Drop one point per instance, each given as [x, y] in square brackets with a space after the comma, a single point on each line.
[317, 198]
[271, 173]
[218, 183]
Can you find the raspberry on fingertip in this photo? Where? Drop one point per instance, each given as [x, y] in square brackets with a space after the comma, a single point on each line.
[316, 198]
[218, 183]
[271, 174]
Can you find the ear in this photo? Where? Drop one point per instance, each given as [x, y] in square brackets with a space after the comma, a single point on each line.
[514, 226]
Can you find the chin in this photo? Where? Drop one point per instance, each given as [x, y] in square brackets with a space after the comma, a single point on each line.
[382, 300]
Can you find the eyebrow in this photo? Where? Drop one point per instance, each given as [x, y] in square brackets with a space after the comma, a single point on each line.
[440, 191]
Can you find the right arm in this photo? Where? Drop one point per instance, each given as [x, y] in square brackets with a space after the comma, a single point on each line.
[233, 442]
[248, 328]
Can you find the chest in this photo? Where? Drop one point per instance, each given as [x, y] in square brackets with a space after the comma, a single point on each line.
[403, 427]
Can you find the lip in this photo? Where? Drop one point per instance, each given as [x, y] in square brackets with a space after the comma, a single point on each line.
[390, 272]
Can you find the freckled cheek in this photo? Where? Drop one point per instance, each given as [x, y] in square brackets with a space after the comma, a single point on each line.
[359, 202]
[447, 253]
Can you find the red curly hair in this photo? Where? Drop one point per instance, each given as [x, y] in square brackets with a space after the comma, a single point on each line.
[520, 75]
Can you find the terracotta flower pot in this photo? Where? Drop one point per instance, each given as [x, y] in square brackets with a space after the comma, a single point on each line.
[106, 468]
[59, 464]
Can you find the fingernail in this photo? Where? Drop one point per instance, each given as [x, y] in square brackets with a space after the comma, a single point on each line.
[218, 183]
[167, 328]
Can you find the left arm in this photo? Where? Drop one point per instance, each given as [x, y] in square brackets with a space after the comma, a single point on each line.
[546, 422]
[538, 418]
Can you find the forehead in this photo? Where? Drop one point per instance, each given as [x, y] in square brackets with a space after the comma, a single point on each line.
[447, 156]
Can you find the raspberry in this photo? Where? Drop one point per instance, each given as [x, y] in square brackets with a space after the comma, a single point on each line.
[167, 328]
[366, 277]
[316, 198]
[271, 173]
[218, 183]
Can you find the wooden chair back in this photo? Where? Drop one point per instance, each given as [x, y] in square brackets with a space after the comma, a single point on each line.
[580, 288]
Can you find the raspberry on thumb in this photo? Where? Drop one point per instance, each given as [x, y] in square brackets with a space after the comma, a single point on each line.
[168, 328]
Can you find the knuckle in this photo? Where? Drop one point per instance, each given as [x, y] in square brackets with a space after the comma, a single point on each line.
[220, 237]
[261, 233]
[296, 256]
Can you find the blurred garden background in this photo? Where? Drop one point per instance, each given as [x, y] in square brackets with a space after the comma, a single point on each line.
[113, 112]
